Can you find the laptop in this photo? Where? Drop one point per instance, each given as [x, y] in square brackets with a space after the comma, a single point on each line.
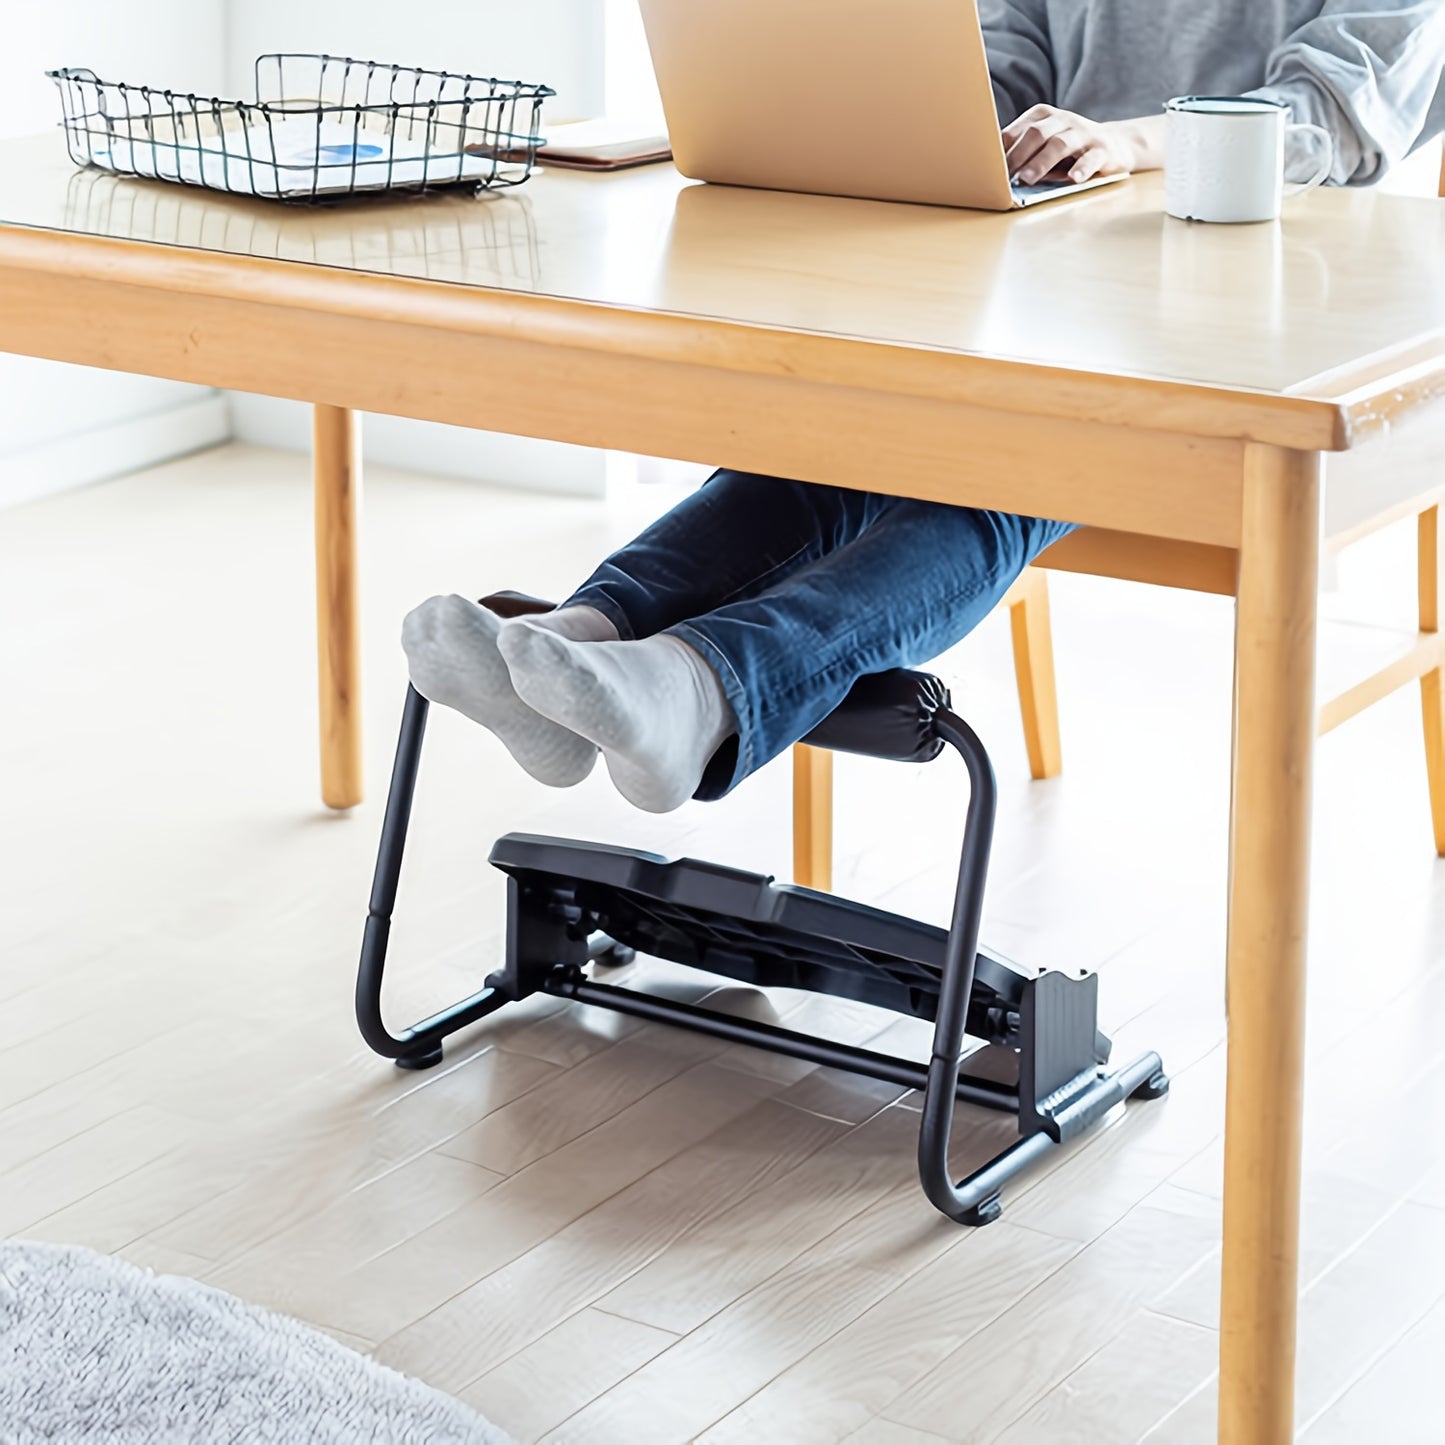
[887, 100]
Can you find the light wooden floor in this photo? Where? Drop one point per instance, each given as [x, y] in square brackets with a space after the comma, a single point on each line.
[595, 1230]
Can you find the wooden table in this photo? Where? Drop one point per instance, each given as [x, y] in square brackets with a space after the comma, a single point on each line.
[1208, 400]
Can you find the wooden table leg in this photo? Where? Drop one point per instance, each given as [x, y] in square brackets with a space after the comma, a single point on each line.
[337, 462]
[1268, 921]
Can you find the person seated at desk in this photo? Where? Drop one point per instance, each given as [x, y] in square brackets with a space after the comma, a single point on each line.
[738, 621]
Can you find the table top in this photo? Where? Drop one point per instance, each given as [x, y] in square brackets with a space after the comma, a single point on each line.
[1350, 285]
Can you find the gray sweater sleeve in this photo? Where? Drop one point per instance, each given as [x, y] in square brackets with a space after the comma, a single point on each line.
[1370, 74]
[1016, 37]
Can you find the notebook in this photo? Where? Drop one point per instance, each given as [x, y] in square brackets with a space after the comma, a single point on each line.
[600, 145]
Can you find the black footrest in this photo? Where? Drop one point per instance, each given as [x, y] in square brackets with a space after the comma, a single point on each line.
[744, 926]
[573, 903]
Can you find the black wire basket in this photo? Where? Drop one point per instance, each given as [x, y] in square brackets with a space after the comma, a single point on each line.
[321, 126]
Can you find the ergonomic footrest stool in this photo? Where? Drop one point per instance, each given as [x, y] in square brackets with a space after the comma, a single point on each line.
[574, 904]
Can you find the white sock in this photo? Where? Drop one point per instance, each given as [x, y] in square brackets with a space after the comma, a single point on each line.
[451, 653]
[654, 707]
[579, 622]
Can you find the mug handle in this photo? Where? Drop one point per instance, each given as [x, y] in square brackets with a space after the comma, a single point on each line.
[1298, 188]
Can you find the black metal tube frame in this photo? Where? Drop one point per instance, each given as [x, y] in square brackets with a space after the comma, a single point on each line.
[571, 983]
[420, 1046]
[975, 1199]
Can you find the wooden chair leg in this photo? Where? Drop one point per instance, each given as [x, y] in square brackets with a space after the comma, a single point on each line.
[813, 817]
[1028, 605]
[1432, 692]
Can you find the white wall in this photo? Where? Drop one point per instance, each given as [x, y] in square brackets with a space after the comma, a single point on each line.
[551, 42]
[631, 87]
[423, 446]
[167, 42]
[63, 426]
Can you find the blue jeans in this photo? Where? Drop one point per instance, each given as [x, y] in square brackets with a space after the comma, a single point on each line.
[793, 591]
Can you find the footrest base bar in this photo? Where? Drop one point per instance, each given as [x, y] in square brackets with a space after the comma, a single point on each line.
[566, 984]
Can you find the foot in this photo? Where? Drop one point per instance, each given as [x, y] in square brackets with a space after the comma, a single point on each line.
[451, 653]
[654, 707]
[581, 623]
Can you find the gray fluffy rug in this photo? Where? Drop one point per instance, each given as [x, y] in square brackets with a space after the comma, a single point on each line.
[92, 1348]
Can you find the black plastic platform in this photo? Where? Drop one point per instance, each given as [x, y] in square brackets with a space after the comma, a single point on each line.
[744, 926]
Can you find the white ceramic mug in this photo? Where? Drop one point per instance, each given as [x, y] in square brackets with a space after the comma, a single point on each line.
[1224, 158]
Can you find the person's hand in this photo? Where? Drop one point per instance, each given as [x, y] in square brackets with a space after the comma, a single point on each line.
[1046, 142]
